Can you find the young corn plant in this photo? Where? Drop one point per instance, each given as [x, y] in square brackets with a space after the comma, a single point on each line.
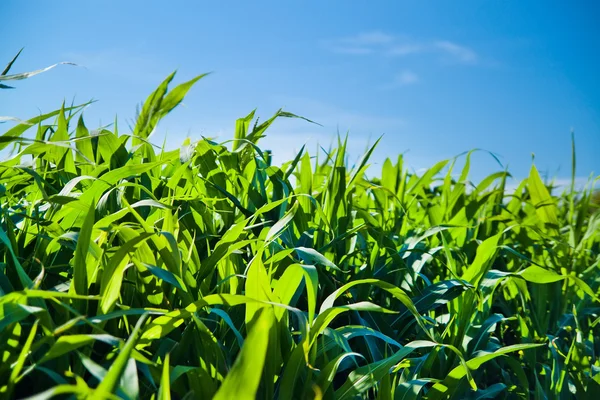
[132, 271]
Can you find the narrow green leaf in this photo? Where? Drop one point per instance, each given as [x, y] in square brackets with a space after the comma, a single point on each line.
[541, 199]
[243, 379]
[80, 278]
[164, 392]
[110, 382]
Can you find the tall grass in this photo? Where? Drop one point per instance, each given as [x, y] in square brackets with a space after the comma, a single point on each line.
[129, 271]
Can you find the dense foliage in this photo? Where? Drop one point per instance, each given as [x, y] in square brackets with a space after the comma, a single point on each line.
[130, 271]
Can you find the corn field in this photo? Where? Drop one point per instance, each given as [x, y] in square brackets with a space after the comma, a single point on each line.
[132, 271]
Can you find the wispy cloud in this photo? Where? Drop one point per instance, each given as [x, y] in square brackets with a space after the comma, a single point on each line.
[405, 77]
[405, 49]
[363, 43]
[370, 38]
[381, 43]
[353, 50]
[457, 52]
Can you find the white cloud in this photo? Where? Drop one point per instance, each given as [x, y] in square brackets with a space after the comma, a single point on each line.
[457, 52]
[405, 77]
[402, 78]
[372, 38]
[353, 50]
[405, 49]
[381, 43]
[363, 43]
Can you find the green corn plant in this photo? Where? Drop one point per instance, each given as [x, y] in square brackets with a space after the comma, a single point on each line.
[128, 270]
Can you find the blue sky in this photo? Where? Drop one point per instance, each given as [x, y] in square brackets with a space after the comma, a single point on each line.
[436, 78]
